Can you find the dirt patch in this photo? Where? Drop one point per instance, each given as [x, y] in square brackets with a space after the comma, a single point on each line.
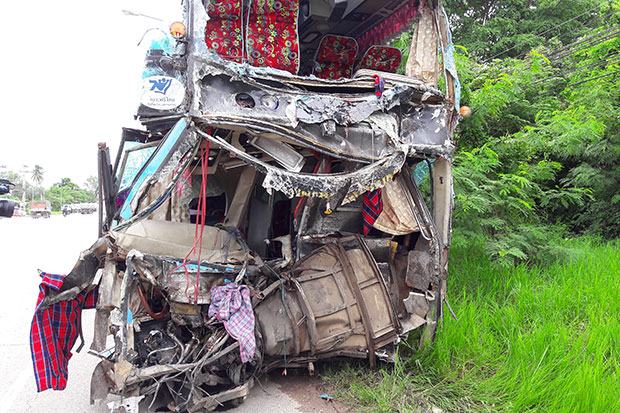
[306, 389]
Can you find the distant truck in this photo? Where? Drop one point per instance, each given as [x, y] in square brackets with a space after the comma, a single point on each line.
[81, 208]
[40, 209]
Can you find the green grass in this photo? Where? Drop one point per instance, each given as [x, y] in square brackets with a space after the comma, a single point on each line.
[542, 339]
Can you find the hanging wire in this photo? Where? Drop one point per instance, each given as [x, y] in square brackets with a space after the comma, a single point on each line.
[544, 32]
[579, 46]
[558, 53]
[591, 79]
[572, 85]
[588, 45]
[590, 60]
[597, 63]
[587, 25]
[200, 223]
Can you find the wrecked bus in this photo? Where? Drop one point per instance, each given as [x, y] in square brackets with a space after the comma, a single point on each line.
[269, 214]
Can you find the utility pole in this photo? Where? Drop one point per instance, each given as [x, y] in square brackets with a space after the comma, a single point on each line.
[23, 173]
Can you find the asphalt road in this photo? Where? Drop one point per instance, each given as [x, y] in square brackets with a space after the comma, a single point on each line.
[53, 245]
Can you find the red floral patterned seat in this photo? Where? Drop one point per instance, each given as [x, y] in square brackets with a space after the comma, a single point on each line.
[224, 31]
[383, 58]
[335, 57]
[272, 37]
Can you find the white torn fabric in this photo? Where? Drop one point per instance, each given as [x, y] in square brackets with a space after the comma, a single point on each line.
[396, 218]
[423, 62]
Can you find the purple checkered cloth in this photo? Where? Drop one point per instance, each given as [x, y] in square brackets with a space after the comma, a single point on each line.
[230, 303]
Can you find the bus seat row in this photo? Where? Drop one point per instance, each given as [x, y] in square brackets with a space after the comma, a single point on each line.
[265, 34]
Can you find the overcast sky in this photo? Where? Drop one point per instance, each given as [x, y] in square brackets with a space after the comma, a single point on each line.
[69, 78]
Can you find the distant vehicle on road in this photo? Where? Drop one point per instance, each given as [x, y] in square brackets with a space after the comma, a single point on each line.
[87, 207]
[81, 208]
[40, 209]
[19, 210]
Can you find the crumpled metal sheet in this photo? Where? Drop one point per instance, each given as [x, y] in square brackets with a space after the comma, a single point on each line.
[387, 123]
[317, 108]
[426, 125]
[176, 239]
[338, 188]
[337, 303]
[218, 97]
[360, 142]
[420, 269]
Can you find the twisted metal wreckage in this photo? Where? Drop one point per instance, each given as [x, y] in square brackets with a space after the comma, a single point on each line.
[291, 197]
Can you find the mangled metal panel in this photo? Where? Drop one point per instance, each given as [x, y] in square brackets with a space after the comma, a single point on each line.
[176, 239]
[338, 305]
[349, 125]
[155, 164]
[426, 125]
[339, 188]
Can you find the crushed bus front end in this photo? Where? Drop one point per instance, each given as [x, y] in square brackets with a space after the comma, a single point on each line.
[288, 200]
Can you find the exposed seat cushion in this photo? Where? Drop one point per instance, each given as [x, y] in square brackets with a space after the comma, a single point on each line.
[382, 58]
[224, 31]
[176, 239]
[335, 57]
[272, 37]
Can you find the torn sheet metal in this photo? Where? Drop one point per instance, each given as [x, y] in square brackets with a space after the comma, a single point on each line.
[153, 166]
[339, 188]
[360, 142]
[425, 125]
[337, 303]
[176, 239]
[223, 96]
[349, 110]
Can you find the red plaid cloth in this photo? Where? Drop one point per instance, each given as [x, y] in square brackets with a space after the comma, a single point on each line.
[371, 208]
[230, 303]
[54, 331]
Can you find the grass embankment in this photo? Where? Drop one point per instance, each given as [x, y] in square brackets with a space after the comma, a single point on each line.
[528, 339]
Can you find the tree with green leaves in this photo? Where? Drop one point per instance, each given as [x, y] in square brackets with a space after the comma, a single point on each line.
[37, 174]
[91, 184]
[67, 192]
[511, 28]
[65, 182]
[540, 152]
